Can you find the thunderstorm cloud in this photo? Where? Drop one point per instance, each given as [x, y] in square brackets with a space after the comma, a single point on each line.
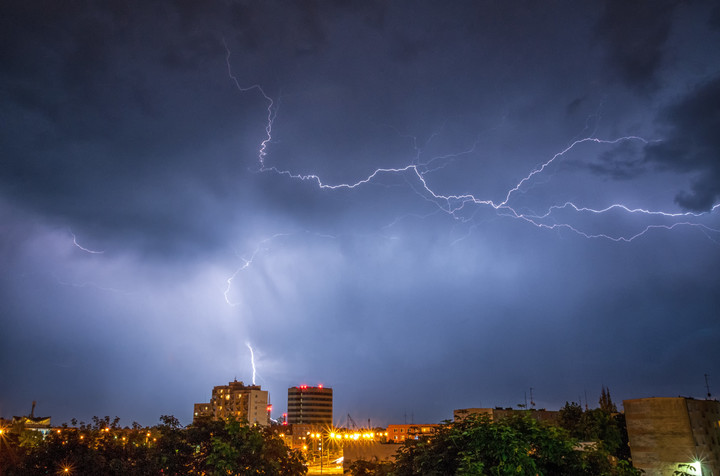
[535, 204]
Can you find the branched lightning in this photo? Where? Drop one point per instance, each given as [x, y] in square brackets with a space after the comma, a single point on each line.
[540, 169]
[260, 247]
[246, 263]
[418, 174]
[271, 111]
[454, 204]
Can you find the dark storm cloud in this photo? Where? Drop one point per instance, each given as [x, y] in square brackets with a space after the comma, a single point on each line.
[108, 108]
[692, 144]
[102, 118]
[123, 130]
[714, 20]
[635, 34]
[623, 162]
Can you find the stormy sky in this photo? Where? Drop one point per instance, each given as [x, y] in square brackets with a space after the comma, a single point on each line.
[424, 205]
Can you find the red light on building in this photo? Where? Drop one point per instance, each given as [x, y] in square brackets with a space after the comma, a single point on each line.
[269, 408]
[319, 385]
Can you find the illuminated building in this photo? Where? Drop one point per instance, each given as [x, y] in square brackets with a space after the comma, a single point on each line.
[31, 422]
[400, 433]
[243, 402]
[310, 405]
[670, 434]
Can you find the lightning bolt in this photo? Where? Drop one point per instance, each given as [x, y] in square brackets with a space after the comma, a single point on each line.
[252, 361]
[271, 110]
[246, 263]
[455, 205]
[88, 284]
[86, 250]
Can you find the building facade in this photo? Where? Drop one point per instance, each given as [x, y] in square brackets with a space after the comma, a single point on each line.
[243, 402]
[670, 434]
[400, 433]
[310, 405]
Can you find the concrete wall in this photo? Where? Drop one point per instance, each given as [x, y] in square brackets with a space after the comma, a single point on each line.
[369, 452]
[662, 434]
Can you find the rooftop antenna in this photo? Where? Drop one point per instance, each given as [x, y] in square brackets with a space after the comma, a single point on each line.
[532, 402]
[707, 385]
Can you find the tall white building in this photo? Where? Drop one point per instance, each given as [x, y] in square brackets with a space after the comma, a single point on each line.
[243, 402]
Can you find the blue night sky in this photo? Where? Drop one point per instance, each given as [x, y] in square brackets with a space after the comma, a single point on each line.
[424, 205]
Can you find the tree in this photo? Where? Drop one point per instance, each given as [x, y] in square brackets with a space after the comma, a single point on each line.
[371, 468]
[572, 418]
[599, 425]
[606, 403]
[515, 445]
[244, 449]
[208, 447]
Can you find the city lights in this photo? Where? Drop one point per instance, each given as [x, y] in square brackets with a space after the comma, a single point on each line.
[65, 468]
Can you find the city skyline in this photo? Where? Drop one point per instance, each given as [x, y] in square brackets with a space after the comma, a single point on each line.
[423, 206]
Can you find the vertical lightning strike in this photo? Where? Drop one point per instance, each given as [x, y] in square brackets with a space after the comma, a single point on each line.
[252, 361]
